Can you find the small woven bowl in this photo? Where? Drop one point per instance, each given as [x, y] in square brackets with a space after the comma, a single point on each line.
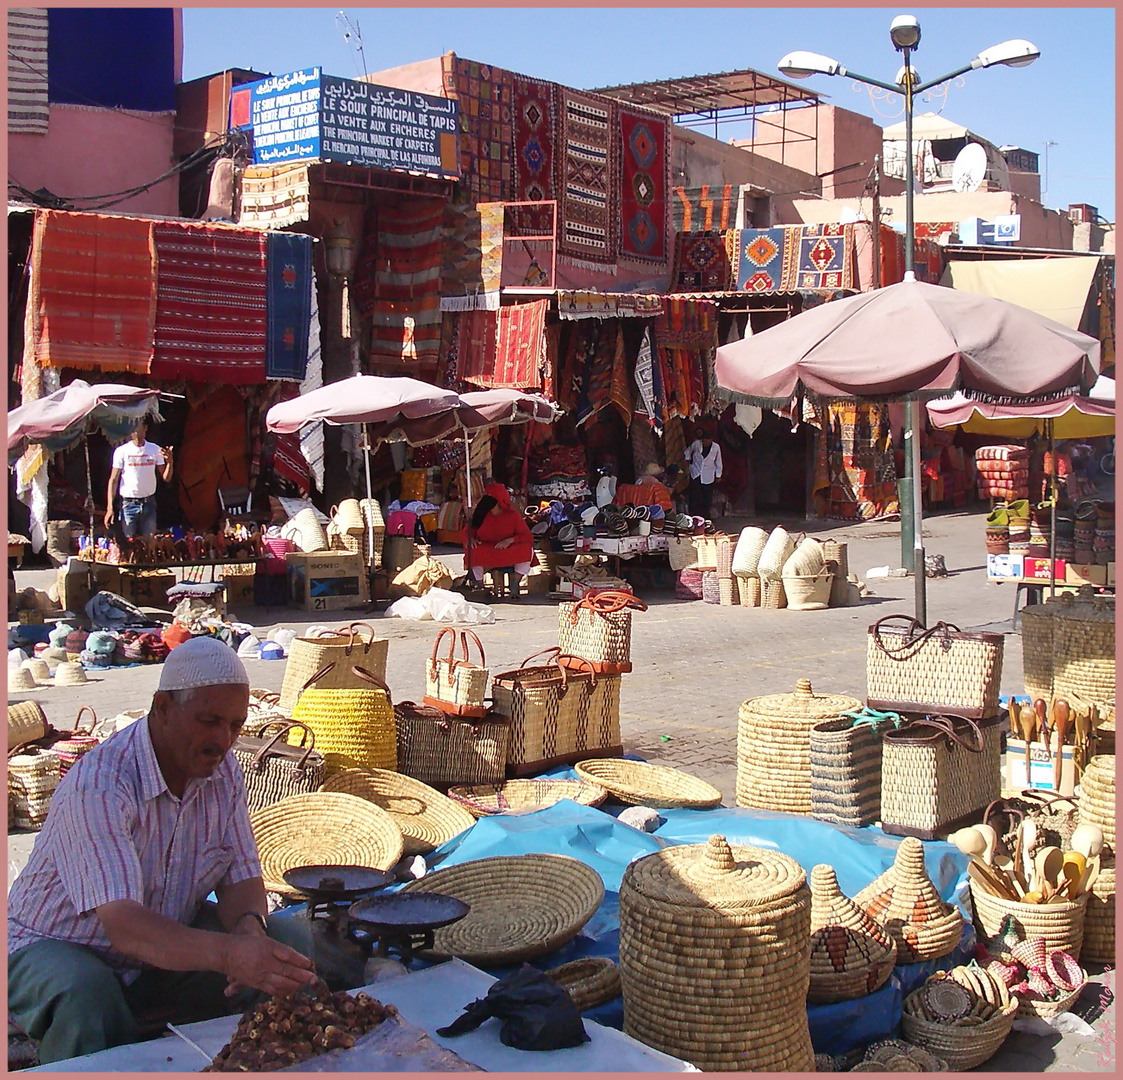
[643, 784]
[589, 982]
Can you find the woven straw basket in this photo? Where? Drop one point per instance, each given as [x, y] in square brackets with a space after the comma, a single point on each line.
[711, 590]
[1068, 649]
[715, 956]
[688, 584]
[727, 591]
[599, 629]
[323, 828]
[457, 685]
[520, 796]
[774, 746]
[905, 901]
[589, 982]
[32, 778]
[643, 784]
[1096, 805]
[1099, 918]
[375, 527]
[426, 817]
[746, 555]
[806, 561]
[777, 550]
[305, 531]
[962, 1047]
[345, 647]
[808, 593]
[71, 749]
[1061, 924]
[838, 563]
[26, 723]
[682, 553]
[846, 772]
[523, 906]
[442, 750]
[748, 591]
[346, 530]
[772, 594]
[852, 955]
[1046, 1010]
[354, 728]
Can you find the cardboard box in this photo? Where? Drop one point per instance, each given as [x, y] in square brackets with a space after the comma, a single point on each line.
[1111, 575]
[74, 590]
[1005, 567]
[327, 581]
[1086, 574]
[239, 587]
[632, 544]
[147, 588]
[1042, 762]
[658, 542]
[1038, 569]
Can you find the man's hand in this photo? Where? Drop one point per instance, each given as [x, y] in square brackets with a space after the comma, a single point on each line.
[166, 454]
[504, 544]
[253, 960]
[109, 517]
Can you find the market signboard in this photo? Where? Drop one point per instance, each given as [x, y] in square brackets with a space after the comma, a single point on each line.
[309, 116]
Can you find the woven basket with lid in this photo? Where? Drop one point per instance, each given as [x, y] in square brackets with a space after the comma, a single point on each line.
[1096, 805]
[715, 951]
[851, 953]
[905, 901]
[774, 746]
[1068, 649]
[1099, 918]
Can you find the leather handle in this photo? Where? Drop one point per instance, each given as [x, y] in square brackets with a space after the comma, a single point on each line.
[352, 632]
[286, 726]
[470, 635]
[370, 677]
[84, 709]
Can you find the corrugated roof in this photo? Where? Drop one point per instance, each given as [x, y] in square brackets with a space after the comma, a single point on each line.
[711, 93]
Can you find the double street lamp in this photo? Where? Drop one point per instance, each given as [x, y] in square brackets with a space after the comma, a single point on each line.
[905, 34]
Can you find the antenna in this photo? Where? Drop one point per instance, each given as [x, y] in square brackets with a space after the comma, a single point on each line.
[969, 169]
[353, 37]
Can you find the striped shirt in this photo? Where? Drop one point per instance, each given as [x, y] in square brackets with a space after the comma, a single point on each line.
[115, 832]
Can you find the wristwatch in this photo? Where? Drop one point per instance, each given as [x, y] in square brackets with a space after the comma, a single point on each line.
[257, 917]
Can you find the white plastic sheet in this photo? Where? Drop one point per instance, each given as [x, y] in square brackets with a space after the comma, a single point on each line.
[440, 605]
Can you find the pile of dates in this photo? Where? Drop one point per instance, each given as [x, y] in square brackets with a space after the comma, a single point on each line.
[284, 1031]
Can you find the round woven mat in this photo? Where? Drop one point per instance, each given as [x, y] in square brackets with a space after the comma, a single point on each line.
[323, 828]
[523, 906]
[516, 796]
[641, 783]
[426, 817]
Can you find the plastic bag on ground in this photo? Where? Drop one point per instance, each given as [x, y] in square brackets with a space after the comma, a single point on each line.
[443, 606]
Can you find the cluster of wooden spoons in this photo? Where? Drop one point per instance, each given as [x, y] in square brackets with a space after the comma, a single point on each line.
[1038, 721]
[1053, 876]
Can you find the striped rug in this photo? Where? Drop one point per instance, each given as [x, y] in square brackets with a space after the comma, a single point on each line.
[27, 70]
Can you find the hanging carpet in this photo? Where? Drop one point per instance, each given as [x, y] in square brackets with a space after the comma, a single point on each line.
[534, 106]
[709, 208]
[212, 454]
[795, 257]
[92, 296]
[210, 304]
[701, 263]
[472, 257]
[861, 469]
[486, 126]
[645, 182]
[504, 348]
[288, 305]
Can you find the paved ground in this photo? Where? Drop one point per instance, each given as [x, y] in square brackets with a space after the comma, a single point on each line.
[693, 665]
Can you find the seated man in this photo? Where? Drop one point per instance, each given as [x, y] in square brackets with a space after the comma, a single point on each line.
[108, 918]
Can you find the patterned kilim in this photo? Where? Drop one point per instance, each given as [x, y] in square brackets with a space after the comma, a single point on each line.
[645, 182]
[708, 208]
[486, 126]
[587, 184]
[504, 348]
[701, 262]
[92, 299]
[764, 261]
[288, 308]
[27, 70]
[825, 256]
[861, 471]
[534, 107]
[472, 257]
[407, 312]
[927, 256]
[684, 337]
[210, 304]
[364, 287]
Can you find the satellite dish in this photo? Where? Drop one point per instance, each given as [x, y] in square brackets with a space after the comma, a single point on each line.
[969, 169]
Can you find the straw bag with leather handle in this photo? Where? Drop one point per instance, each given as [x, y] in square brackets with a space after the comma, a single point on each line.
[345, 648]
[444, 750]
[78, 743]
[599, 629]
[939, 669]
[559, 713]
[354, 726]
[26, 723]
[274, 770]
[454, 685]
[938, 773]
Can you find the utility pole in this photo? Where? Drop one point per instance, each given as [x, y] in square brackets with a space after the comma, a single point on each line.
[877, 221]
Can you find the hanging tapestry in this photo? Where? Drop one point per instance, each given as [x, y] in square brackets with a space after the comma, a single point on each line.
[534, 105]
[645, 382]
[364, 288]
[861, 469]
[621, 393]
[486, 126]
[504, 348]
[472, 257]
[27, 70]
[709, 208]
[927, 257]
[645, 181]
[289, 463]
[288, 304]
[762, 261]
[933, 230]
[92, 293]
[701, 263]
[551, 367]
[684, 336]
[588, 168]
[600, 352]
[406, 318]
[210, 304]
[825, 256]
[274, 196]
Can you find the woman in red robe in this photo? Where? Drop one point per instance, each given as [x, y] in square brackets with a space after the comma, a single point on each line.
[500, 536]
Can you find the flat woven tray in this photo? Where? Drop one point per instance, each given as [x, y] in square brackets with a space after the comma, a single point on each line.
[517, 796]
[323, 828]
[523, 906]
[426, 817]
[643, 784]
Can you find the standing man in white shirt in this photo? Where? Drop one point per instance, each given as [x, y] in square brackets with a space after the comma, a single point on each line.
[704, 456]
[134, 466]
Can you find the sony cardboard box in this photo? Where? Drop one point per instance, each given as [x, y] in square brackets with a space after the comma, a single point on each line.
[327, 580]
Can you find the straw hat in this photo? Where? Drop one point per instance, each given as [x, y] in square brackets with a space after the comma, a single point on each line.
[39, 670]
[59, 656]
[70, 674]
[19, 678]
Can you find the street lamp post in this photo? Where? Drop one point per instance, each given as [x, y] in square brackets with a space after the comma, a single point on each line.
[904, 32]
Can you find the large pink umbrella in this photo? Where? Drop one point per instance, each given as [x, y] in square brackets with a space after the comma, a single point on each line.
[909, 340]
[66, 412]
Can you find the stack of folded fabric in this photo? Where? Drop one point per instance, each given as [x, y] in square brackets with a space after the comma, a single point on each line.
[1040, 527]
[1103, 543]
[1066, 533]
[1003, 472]
[1084, 533]
[558, 472]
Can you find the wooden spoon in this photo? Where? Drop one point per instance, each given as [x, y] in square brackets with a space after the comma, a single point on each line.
[1005, 864]
[1091, 872]
[970, 841]
[1062, 721]
[1072, 871]
[1027, 721]
[1048, 868]
[1042, 711]
[1013, 708]
[990, 840]
[1087, 839]
[989, 880]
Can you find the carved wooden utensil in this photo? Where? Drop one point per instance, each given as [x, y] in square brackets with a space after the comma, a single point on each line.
[1062, 721]
[1027, 721]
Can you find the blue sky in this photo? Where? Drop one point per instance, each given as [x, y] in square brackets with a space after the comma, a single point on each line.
[1067, 97]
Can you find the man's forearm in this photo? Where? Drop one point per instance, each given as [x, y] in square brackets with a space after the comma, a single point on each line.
[245, 898]
[159, 941]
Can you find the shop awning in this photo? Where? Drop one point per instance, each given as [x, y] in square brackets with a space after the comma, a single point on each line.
[1055, 288]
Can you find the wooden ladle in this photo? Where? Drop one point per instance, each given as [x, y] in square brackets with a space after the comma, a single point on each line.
[1072, 871]
[990, 841]
[1087, 839]
[970, 841]
[1027, 721]
[1047, 869]
[1062, 722]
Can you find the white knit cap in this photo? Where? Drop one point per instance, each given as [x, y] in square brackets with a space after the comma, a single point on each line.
[202, 661]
